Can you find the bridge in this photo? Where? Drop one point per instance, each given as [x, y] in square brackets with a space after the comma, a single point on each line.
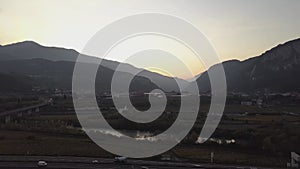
[7, 116]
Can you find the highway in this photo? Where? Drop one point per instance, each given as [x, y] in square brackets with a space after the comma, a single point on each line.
[28, 162]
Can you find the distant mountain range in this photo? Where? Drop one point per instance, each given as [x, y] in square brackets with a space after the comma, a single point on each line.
[28, 64]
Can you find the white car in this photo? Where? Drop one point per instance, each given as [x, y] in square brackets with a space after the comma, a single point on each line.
[120, 159]
[95, 161]
[42, 163]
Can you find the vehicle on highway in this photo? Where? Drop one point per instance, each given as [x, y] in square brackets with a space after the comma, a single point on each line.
[42, 163]
[95, 162]
[197, 166]
[121, 159]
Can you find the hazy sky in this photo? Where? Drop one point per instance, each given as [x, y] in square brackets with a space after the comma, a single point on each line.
[238, 29]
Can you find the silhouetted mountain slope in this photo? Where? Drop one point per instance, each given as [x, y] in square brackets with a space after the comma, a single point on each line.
[28, 50]
[33, 50]
[15, 83]
[58, 74]
[276, 70]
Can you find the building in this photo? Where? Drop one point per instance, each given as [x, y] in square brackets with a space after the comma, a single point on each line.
[295, 158]
[246, 103]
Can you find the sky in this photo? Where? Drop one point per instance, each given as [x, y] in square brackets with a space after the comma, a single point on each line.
[237, 29]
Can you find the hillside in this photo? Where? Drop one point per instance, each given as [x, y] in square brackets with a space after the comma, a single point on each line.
[277, 70]
[29, 50]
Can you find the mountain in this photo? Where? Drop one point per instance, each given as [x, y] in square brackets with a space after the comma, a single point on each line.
[28, 51]
[15, 83]
[277, 70]
[58, 74]
[33, 50]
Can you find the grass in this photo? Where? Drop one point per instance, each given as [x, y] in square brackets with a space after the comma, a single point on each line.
[33, 143]
[228, 156]
[270, 118]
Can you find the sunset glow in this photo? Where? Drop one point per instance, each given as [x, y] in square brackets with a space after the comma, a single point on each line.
[236, 29]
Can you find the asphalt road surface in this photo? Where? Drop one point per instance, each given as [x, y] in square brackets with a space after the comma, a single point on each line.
[28, 162]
